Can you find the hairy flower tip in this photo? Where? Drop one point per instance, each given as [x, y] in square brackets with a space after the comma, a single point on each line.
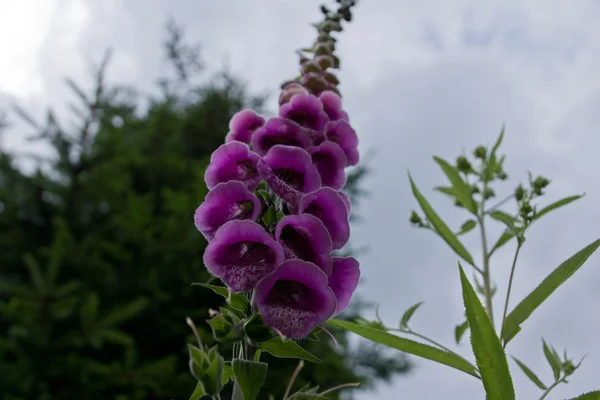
[295, 298]
[327, 205]
[306, 110]
[233, 161]
[330, 161]
[341, 132]
[241, 254]
[225, 202]
[290, 90]
[306, 238]
[325, 61]
[279, 131]
[289, 172]
[332, 104]
[242, 125]
[344, 280]
[314, 82]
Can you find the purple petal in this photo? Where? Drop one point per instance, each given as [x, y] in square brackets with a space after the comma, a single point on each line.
[241, 254]
[341, 132]
[295, 298]
[332, 104]
[306, 238]
[233, 161]
[330, 161]
[346, 199]
[344, 280]
[279, 131]
[327, 205]
[289, 172]
[226, 202]
[290, 90]
[306, 110]
[242, 125]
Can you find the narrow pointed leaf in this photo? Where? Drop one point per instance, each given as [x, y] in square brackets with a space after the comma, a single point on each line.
[556, 278]
[460, 330]
[250, 376]
[461, 188]
[408, 315]
[440, 226]
[237, 300]
[467, 227]
[503, 239]
[446, 190]
[287, 349]
[490, 356]
[492, 164]
[408, 346]
[227, 373]
[557, 204]
[553, 360]
[533, 377]
[588, 396]
[198, 392]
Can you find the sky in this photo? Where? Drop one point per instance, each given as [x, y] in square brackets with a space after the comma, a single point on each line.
[418, 79]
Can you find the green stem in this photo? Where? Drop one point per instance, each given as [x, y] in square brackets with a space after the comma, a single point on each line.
[487, 289]
[510, 281]
[555, 384]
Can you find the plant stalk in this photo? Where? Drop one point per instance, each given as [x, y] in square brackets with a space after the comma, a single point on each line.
[487, 289]
[510, 281]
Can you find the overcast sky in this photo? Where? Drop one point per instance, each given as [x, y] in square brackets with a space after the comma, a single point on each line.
[419, 78]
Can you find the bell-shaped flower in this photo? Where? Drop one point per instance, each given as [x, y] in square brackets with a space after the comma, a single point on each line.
[225, 202]
[327, 205]
[306, 110]
[289, 172]
[295, 298]
[330, 161]
[341, 132]
[306, 238]
[346, 199]
[289, 90]
[241, 254]
[279, 131]
[344, 280]
[242, 125]
[233, 161]
[332, 105]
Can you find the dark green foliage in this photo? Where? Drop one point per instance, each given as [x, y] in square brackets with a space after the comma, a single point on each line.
[98, 248]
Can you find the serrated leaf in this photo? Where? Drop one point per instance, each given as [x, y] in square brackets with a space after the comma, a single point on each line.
[407, 346]
[460, 330]
[237, 300]
[557, 204]
[461, 188]
[553, 360]
[287, 349]
[556, 278]
[440, 226]
[466, 227]
[490, 356]
[250, 375]
[530, 374]
[588, 396]
[408, 315]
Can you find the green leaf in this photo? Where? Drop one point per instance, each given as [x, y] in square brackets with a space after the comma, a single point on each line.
[512, 324]
[460, 330]
[553, 360]
[123, 313]
[492, 165]
[407, 346]
[250, 375]
[490, 356]
[227, 373]
[557, 204]
[198, 392]
[461, 189]
[439, 225]
[237, 300]
[408, 315]
[507, 220]
[533, 377]
[287, 349]
[257, 355]
[34, 270]
[448, 191]
[467, 227]
[503, 239]
[588, 396]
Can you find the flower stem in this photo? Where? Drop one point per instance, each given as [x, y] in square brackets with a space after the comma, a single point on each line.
[555, 384]
[345, 385]
[510, 281]
[288, 389]
[487, 289]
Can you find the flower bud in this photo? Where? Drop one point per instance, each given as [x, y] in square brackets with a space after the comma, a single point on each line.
[539, 184]
[331, 78]
[502, 175]
[480, 152]
[463, 165]
[525, 210]
[568, 367]
[314, 82]
[322, 48]
[311, 66]
[324, 9]
[324, 61]
[520, 193]
[475, 189]
[488, 193]
[415, 219]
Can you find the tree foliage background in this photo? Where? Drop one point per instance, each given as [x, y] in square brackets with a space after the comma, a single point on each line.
[98, 247]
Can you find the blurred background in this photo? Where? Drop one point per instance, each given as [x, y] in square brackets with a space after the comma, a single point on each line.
[111, 109]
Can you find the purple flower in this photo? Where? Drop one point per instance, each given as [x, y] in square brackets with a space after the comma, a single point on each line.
[279, 131]
[290, 90]
[306, 110]
[344, 280]
[226, 202]
[346, 199]
[242, 125]
[327, 205]
[341, 132]
[241, 254]
[332, 104]
[289, 172]
[295, 298]
[305, 237]
[330, 161]
[233, 161]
